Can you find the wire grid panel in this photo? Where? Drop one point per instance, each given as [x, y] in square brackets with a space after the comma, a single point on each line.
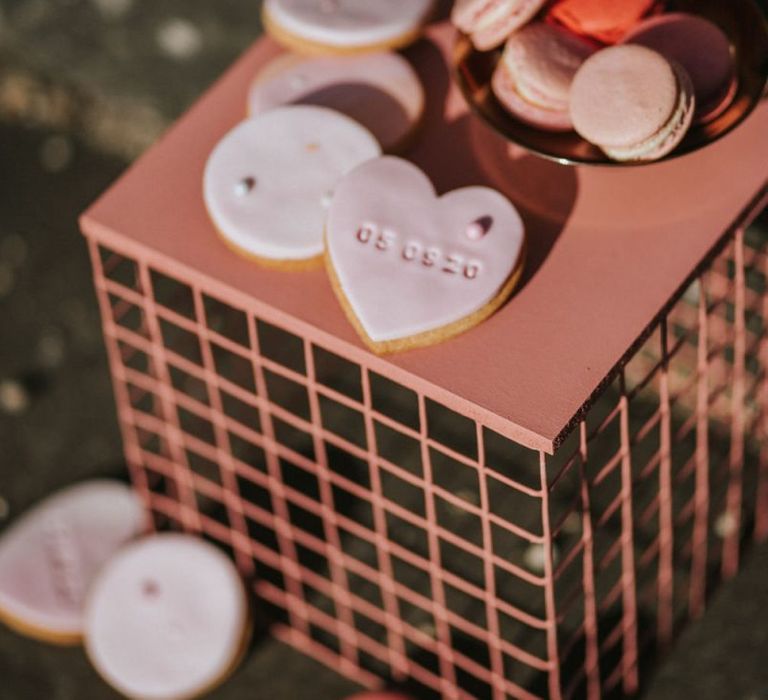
[392, 537]
[657, 492]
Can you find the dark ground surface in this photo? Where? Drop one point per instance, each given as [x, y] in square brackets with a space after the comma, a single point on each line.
[85, 85]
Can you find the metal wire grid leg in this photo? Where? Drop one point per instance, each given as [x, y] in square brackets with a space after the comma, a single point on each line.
[391, 537]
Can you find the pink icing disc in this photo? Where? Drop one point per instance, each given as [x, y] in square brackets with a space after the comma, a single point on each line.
[268, 183]
[167, 618]
[50, 556]
[403, 257]
[380, 90]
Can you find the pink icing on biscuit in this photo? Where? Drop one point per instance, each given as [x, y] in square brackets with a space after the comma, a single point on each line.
[380, 90]
[409, 264]
[167, 618]
[49, 558]
[268, 183]
[348, 24]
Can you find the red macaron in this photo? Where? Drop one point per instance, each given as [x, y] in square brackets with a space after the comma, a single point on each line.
[607, 21]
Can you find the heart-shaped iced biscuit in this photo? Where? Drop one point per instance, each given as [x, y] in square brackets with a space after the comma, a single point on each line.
[50, 556]
[411, 268]
[269, 181]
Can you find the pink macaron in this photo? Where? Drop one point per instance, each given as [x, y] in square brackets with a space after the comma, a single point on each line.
[534, 75]
[632, 103]
[702, 49]
[490, 22]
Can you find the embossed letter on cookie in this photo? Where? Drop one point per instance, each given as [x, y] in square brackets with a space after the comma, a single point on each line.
[411, 268]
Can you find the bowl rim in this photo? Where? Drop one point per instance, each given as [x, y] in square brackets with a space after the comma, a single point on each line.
[463, 49]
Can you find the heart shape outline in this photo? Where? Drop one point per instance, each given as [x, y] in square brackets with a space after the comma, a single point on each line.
[394, 206]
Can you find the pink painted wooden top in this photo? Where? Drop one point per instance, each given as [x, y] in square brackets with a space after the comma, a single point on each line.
[608, 248]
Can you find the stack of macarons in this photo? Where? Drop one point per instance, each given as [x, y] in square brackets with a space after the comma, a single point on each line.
[627, 76]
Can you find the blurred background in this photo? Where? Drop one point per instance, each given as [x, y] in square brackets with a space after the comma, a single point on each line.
[85, 87]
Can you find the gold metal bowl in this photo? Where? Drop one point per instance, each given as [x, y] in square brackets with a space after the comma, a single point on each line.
[741, 20]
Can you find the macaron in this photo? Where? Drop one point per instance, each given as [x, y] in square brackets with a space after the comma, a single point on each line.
[345, 26]
[490, 22]
[168, 618]
[702, 49]
[607, 21]
[632, 103]
[379, 90]
[533, 77]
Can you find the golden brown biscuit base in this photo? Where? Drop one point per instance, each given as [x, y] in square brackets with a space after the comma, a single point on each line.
[437, 335]
[315, 48]
[236, 661]
[41, 634]
[299, 265]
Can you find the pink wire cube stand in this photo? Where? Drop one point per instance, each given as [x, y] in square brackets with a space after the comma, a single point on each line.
[530, 510]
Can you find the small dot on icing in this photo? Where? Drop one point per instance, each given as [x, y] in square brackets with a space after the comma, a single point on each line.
[326, 199]
[245, 185]
[478, 228]
[312, 147]
[150, 589]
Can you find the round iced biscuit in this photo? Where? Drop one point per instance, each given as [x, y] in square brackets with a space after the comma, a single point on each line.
[268, 183]
[623, 95]
[345, 26]
[50, 556]
[168, 618]
[412, 269]
[379, 90]
[702, 49]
